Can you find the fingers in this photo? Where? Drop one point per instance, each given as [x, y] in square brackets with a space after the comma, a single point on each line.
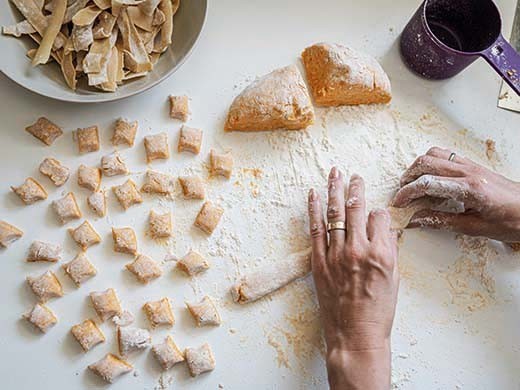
[355, 209]
[430, 165]
[379, 224]
[469, 224]
[444, 154]
[336, 210]
[318, 232]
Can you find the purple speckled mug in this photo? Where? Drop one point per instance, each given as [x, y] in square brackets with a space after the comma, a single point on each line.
[445, 36]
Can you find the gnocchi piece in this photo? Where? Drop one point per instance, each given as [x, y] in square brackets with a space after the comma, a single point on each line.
[106, 303]
[89, 177]
[193, 263]
[124, 132]
[55, 171]
[66, 208]
[41, 317]
[200, 360]
[110, 367]
[179, 107]
[88, 139]
[130, 338]
[8, 234]
[167, 353]
[127, 194]
[45, 286]
[159, 313]
[220, 164]
[192, 187]
[208, 217]
[156, 147]
[125, 240]
[97, 201]
[80, 269]
[190, 140]
[160, 224]
[205, 312]
[113, 165]
[85, 235]
[157, 183]
[144, 268]
[87, 334]
[44, 251]
[30, 191]
[45, 131]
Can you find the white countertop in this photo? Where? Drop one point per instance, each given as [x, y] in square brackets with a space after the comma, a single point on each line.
[446, 335]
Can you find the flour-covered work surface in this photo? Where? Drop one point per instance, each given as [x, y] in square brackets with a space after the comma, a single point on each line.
[456, 322]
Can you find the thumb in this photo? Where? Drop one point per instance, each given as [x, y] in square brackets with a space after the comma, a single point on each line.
[470, 224]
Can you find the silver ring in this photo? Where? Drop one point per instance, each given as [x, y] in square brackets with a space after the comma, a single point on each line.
[339, 225]
[452, 156]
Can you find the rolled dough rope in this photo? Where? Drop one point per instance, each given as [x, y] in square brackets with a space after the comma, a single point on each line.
[401, 217]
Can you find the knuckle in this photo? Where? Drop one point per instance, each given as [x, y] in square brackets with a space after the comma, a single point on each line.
[434, 151]
[356, 252]
[353, 203]
[317, 230]
[333, 212]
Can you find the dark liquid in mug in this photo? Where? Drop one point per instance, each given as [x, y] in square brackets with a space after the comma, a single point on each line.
[446, 35]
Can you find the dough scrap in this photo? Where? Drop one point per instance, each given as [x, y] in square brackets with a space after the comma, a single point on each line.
[44, 251]
[200, 360]
[80, 269]
[66, 208]
[41, 317]
[55, 171]
[205, 312]
[167, 353]
[110, 367]
[87, 334]
[45, 131]
[8, 234]
[30, 191]
[159, 313]
[45, 286]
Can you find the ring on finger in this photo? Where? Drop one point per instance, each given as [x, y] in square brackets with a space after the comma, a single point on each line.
[339, 225]
[452, 156]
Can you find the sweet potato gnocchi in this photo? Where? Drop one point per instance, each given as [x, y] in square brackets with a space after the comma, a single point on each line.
[204, 312]
[159, 313]
[190, 140]
[145, 269]
[30, 191]
[193, 263]
[160, 224]
[200, 360]
[97, 201]
[106, 303]
[110, 367]
[156, 147]
[158, 183]
[112, 165]
[45, 131]
[208, 217]
[55, 171]
[179, 107]
[45, 286]
[41, 317]
[85, 235]
[167, 353]
[80, 269]
[89, 177]
[87, 139]
[8, 234]
[87, 334]
[220, 164]
[66, 208]
[44, 251]
[192, 187]
[130, 339]
[125, 240]
[124, 131]
[127, 194]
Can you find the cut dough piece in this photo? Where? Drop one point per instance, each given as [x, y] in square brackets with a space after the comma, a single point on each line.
[158, 183]
[55, 171]
[220, 164]
[208, 217]
[85, 235]
[66, 208]
[278, 100]
[160, 224]
[193, 263]
[8, 234]
[44, 251]
[45, 131]
[88, 139]
[339, 75]
[41, 317]
[179, 107]
[156, 147]
[167, 353]
[45, 286]
[113, 165]
[145, 269]
[89, 177]
[127, 194]
[192, 187]
[272, 277]
[80, 269]
[126, 318]
[124, 131]
[125, 240]
[97, 201]
[190, 140]
[132, 339]
[159, 313]
[106, 303]
[110, 367]
[200, 360]
[205, 312]
[87, 334]
[30, 191]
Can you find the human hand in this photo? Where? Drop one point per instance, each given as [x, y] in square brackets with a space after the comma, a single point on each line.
[357, 280]
[491, 202]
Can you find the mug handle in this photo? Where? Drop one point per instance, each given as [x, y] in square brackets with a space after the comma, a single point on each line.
[505, 60]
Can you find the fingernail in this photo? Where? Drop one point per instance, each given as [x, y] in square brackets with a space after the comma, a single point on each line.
[355, 176]
[312, 195]
[334, 173]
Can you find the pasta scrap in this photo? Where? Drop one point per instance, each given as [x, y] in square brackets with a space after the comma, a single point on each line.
[44, 251]
[8, 234]
[127, 194]
[167, 353]
[66, 208]
[159, 313]
[125, 240]
[80, 269]
[110, 367]
[106, 303]
[200, 360]
[52, 30]
[41, 317]
[85, 235]
[145, 269]
[205, 312]
[30, 191]
[55, 171]
[45, 286]
[45, 131]
[87, 334]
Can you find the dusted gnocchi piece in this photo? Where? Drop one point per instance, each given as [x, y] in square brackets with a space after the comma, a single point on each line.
[131, 339]
[110, 367]
[160, 224]
[85, 235]
[125, 240]
[45, 131]
[157, 183]
[190, 140]
[89, 177]
[80, 269]
[55, 171]
[8, 234]
[113, 165]
[156, 147]
[44, 251]
[124, 133]
[193, 263]
[205, 312]
[144, 268]
[200, 360]
[41, 317]
[208, 217]
[97, 201]
[30, 191]
[88, 139]
[127, 194]
[179, 107]
[159, 313]
[45, 286]
[66, 208]
[167, 353]
[87, 334]
[220, 164]
[106, 303]
[192, 187]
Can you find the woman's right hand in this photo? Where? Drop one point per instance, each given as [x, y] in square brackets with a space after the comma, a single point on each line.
[491, 202]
